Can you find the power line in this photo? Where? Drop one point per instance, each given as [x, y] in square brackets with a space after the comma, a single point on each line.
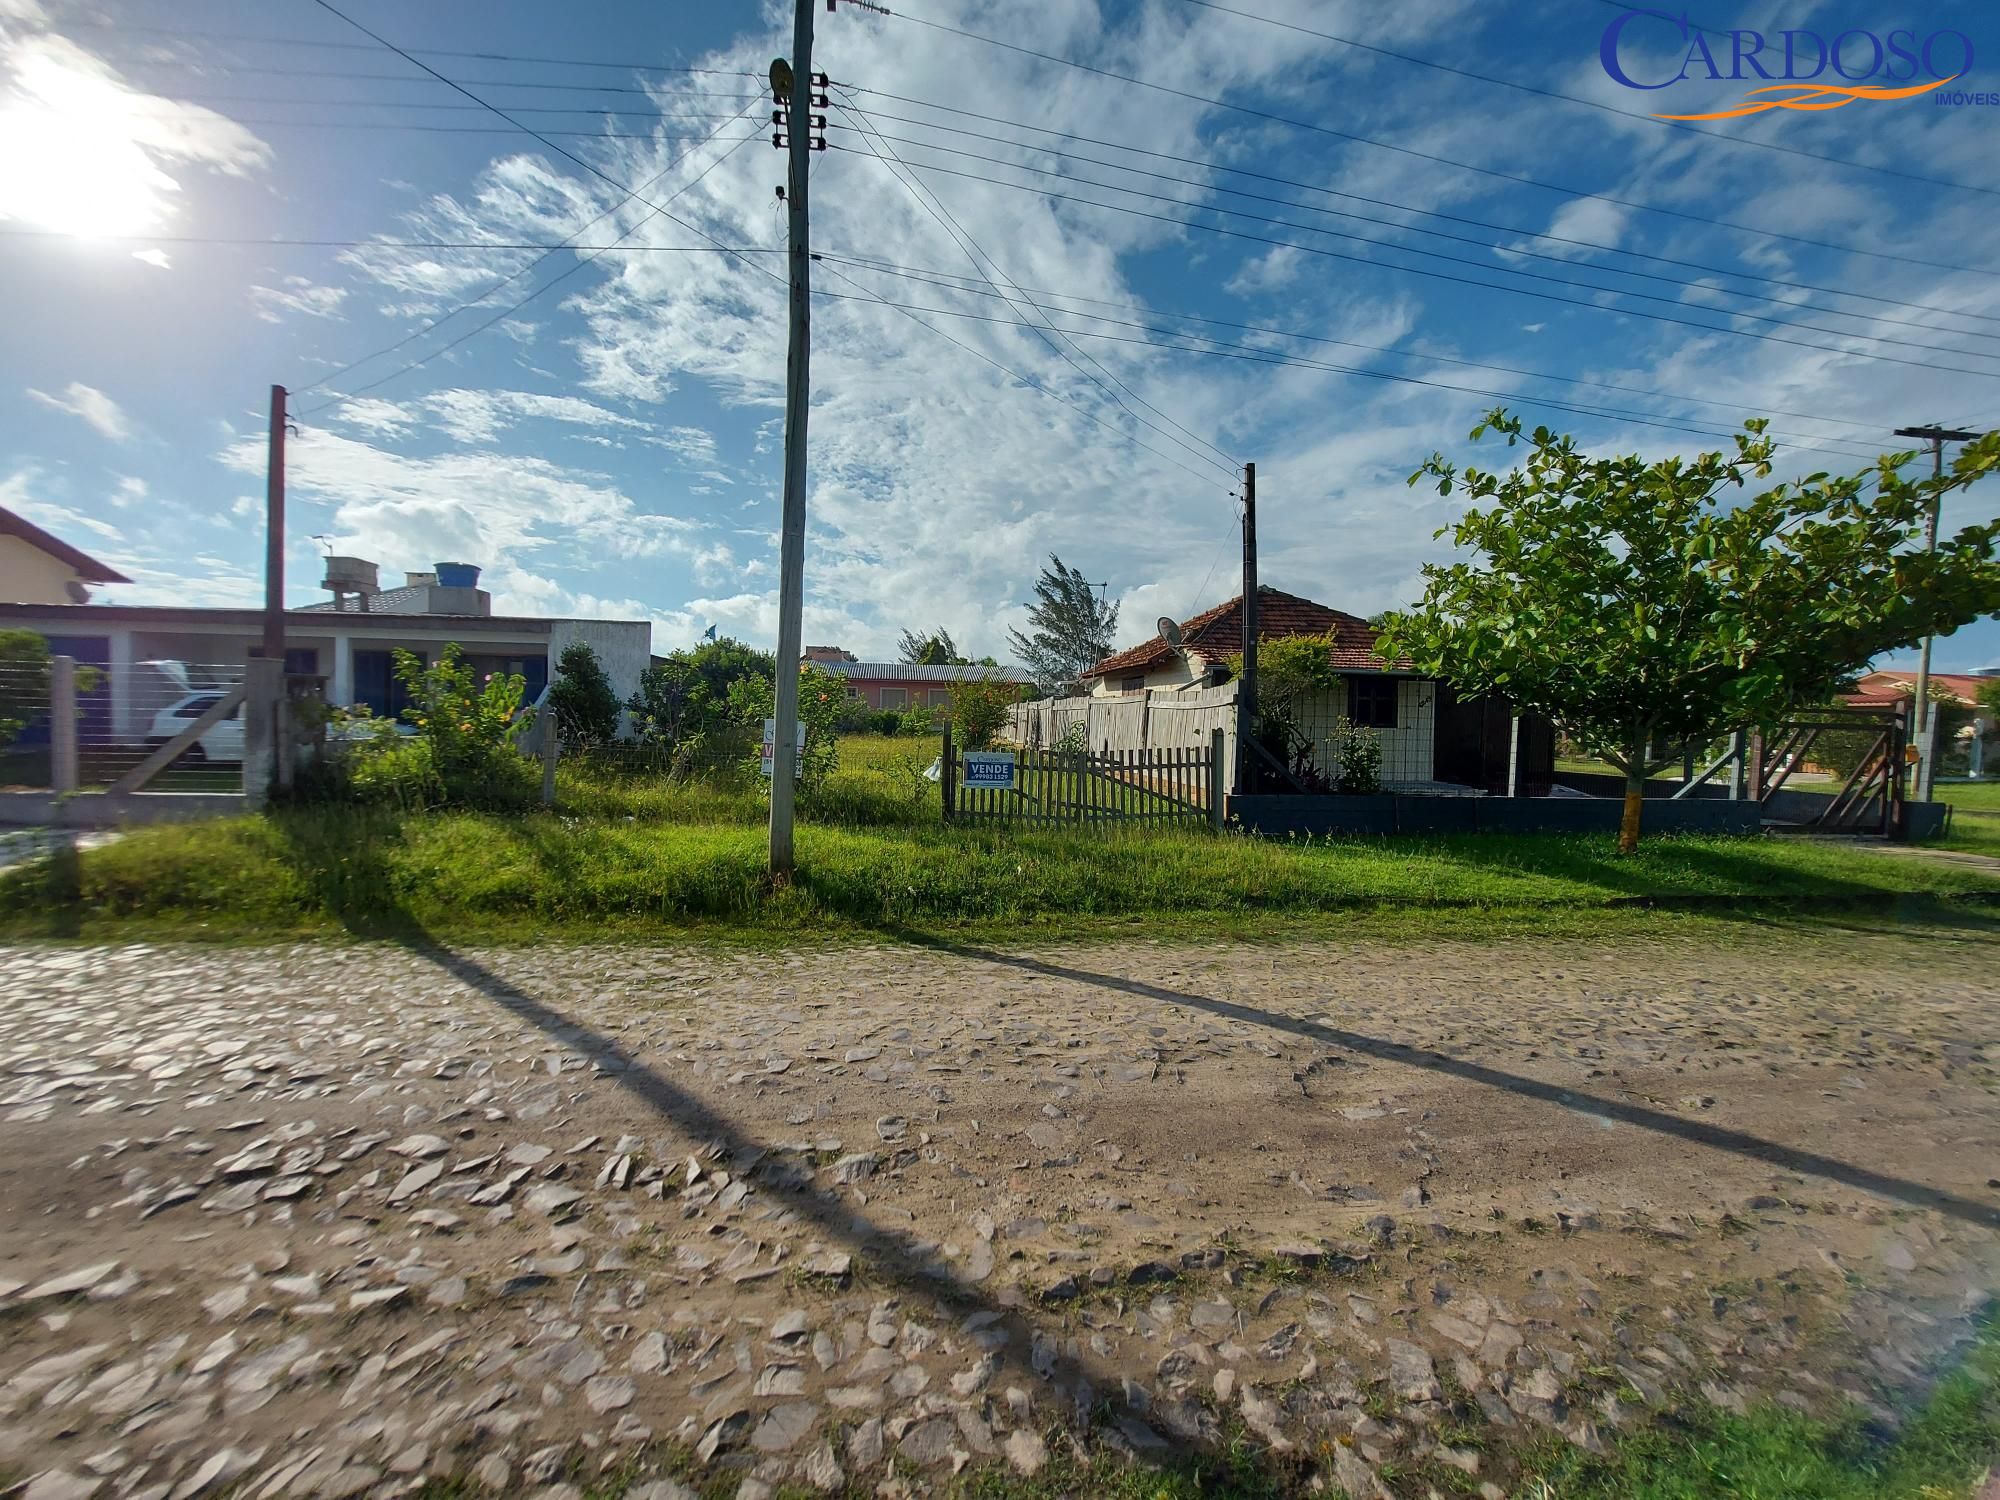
[529, 130]
[1609, 109]
[1495, 172]
[423, 104]
[975, 254]
[1469, 281]
[569, 243]
[509, 311]
[30, 232]
[204, 64]
[1211, 165]
[938, 279]
[1028, 381]
[297, 41]
[1454, 238]
[1223, 350]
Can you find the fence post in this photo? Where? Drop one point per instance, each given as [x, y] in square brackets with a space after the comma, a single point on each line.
[62, 723]
[551, 748]
[263, 702]
[1739, 749]
[1215, 775]
[948, 777]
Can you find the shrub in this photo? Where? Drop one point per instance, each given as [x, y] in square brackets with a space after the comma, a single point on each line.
[581, 698]
[979, 708]
[918, 719]
[822, 696]
[1357, 759]
[462, 754]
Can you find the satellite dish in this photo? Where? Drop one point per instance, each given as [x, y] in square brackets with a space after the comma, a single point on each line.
[1170, 630]
[781, 80]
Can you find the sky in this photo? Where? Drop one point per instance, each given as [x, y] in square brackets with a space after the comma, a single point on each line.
[563, 358]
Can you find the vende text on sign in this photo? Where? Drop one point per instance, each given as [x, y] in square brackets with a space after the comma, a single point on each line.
[989, 769]
[769, 753]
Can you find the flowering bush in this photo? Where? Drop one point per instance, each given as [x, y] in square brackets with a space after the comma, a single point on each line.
[822, 698]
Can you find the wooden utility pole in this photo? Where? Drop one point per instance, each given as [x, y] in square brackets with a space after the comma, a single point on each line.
[1246, 690]
[274, 531]
[1926, 737]
[792, 531]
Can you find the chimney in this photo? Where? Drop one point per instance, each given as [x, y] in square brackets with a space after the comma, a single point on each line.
[420, 580]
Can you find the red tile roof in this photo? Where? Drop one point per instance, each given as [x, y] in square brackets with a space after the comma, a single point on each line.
[1217, 634]
[1883, 686]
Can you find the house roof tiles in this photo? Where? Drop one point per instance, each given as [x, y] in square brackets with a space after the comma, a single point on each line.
[1217, 634]
[898, 671]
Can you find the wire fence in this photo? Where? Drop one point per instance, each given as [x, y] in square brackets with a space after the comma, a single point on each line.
[25, 763]
[121, 714]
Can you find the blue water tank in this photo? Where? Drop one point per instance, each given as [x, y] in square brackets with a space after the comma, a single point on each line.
[457, 575]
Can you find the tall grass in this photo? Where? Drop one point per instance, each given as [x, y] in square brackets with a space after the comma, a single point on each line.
[368, 870]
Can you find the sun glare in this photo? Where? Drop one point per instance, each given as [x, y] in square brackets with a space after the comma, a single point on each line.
[71, 157]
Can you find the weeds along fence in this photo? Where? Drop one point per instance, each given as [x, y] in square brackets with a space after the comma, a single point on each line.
[119, 715]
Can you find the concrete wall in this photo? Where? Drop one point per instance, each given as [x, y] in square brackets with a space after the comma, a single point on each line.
[1275, 815]
[29, 575]
[1180, 672]
[624, 649]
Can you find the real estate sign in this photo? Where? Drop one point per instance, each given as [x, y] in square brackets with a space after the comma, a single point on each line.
[769, 753]
[992, 769]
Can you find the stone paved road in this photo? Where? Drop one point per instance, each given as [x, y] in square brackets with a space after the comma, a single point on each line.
[327, 1221]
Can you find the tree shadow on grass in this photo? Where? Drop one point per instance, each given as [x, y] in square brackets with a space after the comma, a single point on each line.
[1734, 1142]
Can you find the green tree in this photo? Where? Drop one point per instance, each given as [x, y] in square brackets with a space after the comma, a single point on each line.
[24, 682]
[934, 650]
[1640, 609]
[1069, 630]
[822, 697]
[979, 707]
[582, 698]
[1290, 669]
[685, 696]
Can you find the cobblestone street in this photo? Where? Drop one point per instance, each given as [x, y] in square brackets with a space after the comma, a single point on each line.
[334, 1221]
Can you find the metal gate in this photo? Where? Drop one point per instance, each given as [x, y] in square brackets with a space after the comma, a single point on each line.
[1871, 799]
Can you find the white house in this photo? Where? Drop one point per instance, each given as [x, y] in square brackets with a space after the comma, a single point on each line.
[349, 640]
[37, 568]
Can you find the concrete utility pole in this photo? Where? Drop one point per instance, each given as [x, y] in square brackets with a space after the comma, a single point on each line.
[1926, 736]
[1246, 691]
[792, 532]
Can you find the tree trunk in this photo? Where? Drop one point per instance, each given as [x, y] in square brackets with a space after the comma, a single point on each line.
[1635, 801]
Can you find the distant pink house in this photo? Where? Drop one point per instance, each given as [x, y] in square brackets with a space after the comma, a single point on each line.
[898, 685]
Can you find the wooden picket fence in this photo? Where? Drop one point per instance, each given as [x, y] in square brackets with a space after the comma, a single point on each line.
[1091, 789]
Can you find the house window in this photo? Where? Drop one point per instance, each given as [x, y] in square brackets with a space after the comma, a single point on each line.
[853, 694]
[302, 661]
[940, 695]
[1371, 702]
[893, 698]
[1132, 684]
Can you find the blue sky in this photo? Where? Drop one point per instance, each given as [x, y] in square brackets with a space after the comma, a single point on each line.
[612, 446]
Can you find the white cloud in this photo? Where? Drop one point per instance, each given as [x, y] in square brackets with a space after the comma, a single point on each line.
[300, 295]
[156, 258]
[130, 492]
[92, 405]
[472, 416]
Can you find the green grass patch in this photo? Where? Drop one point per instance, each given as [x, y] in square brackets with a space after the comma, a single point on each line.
[1775, 1454]
[458, 874]
[1975, 818]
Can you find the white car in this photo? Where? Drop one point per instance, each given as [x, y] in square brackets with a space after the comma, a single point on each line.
[223, 741]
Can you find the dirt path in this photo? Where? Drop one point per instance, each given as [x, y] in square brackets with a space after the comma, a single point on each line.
[327, 1221]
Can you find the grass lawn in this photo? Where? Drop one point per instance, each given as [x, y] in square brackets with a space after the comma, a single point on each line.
[325, 869]
[1975, 819]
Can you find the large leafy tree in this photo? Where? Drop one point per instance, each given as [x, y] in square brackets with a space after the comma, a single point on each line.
[1645, 606]
[934, 650]
[1069, 628]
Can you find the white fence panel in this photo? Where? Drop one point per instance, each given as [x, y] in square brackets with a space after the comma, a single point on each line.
[1154, 720]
